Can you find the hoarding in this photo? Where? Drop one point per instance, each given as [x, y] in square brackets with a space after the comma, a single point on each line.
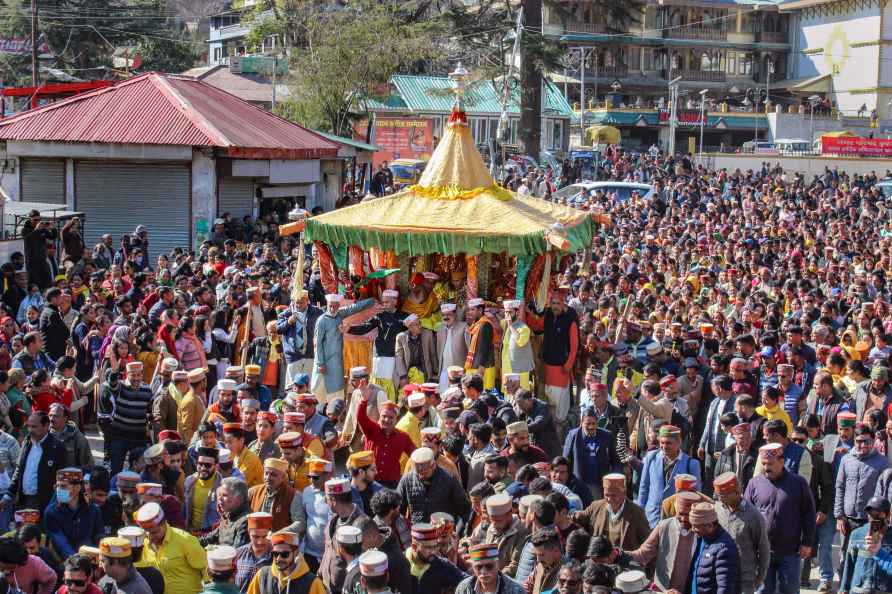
[856, 147]
[402, 138]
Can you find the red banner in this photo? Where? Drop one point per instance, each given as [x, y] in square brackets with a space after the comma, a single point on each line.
[683, 117]
[402, 138]
[855, 146]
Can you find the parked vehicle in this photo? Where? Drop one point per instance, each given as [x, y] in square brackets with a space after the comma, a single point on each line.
[621, 191]
[406, 172]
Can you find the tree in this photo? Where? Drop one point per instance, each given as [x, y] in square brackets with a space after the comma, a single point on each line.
[15, 69]
[345, 56]
[167, 55]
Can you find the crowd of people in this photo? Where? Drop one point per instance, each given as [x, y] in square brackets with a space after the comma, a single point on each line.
[702, 405]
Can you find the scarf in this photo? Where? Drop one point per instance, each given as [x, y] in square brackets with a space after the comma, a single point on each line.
[475, 335]
[175, 394]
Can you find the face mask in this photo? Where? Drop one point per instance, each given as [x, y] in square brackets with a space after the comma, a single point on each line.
[63, 495]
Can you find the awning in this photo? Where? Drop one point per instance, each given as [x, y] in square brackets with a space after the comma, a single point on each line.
[817, 84]
[603, 135]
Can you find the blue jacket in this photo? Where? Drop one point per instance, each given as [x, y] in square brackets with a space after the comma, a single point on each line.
[654, 489]
[296, 343]
[717, 567]
[605, 454]
[69, 530]
[862, 573]
[211, 515]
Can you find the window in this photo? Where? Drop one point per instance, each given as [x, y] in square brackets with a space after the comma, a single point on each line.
[218, 54]
[557, 139]
[732, 63]
[512, 139]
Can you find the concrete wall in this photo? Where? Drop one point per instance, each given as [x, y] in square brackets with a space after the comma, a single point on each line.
[204, 195]
[808, 166]
[799, 125]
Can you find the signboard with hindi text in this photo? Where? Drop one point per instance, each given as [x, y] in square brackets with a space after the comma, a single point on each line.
[401, 137]
[856, 147]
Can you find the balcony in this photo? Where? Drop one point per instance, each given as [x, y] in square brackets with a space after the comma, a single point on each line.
[698, 33]
[593, 28]
[695, 75]
[772, 37]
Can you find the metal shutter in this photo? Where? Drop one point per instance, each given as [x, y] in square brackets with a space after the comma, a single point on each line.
[116, 197]
[235, 195]
[43, 180]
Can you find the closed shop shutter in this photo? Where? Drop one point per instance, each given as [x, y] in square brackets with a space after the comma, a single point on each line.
[43, 180]
[116, 197]
[235, 195]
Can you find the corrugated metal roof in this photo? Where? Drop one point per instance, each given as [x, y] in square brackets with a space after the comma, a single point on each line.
[164, 109]
[430, 94]
[358, 144]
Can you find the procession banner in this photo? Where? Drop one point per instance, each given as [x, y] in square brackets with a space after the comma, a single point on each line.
[402, 138]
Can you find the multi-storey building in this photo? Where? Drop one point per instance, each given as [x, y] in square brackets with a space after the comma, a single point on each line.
[619, 73]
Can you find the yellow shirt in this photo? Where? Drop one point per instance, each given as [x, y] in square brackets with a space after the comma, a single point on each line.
[200, 497]
[180, 559]
[315, 588]
[297, 475]
[776, 413]
[249, 464]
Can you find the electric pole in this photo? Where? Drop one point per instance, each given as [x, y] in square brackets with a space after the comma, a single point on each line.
[35, 64]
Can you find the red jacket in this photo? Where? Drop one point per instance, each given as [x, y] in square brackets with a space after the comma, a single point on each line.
[388, 448]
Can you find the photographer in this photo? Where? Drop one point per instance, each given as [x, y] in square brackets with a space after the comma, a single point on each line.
[867, 566]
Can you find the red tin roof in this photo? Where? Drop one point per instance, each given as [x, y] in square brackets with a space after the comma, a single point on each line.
[168, 109]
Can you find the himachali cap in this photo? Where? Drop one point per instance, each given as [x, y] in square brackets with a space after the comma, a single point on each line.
[227, 385]
[221, 558]
[785, 367]
[518, 427]
[292, 439]
[512, 377]
[725, 483]
[134, 366]
[455, 371]
[667, 381]
[361, 459]
[512, 304]
[235, 371]
[170, 364]
[670, 431]
[422, 456]
[333, 298]
[306, 398]
[359, 372]
[250, 404]
[115, 547]
[128, 477]
[429, 388]
[349, 535]
[614, 480]
[252, 369]
[276, 464]
[632, 582]
[443, 521]
[135, 535]
[410, 319]
[260, 521]
[179, 376]
[498, 504]
[196, 375]
[475, 302]
[846, 419]
[71, 475]
[653, 348]
[27, 516]
[430, 275]
[297, 418]
[337, 486]
[425, 532]
[741, 428]
[685, 500]
[390, 294]
[771, 450]
[285, 537]
[224, 456]
[447, 307]
[685, 482]
[416, 399]
[154, 454]
[232, 427]
[149, 515]
[373, 563]
[151, 489]
[91, 553]
[169, 434]
[527, 501]
[431, 434]
[702, 513]
[318, 467]
[484, 552]
[267, 415]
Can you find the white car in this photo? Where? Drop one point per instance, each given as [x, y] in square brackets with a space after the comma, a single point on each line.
[622, 191]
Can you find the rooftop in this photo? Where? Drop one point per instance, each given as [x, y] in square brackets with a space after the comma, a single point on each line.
[167, 109]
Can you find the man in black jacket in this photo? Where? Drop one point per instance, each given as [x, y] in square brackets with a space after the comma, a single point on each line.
[36, 234]
[428, 489]
[34, 481]
[53, 329]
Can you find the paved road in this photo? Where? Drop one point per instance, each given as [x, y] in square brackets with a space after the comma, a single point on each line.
[96, 446]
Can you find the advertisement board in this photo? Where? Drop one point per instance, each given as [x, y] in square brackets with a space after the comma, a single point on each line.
[401, 137]
[856, 147]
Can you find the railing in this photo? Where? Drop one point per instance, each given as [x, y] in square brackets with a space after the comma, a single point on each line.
[701, 33]
[620, 71]
[772, 37]
[696, 75]
[596, 28]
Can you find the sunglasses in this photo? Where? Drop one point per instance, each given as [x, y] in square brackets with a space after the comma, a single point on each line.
[281, 553]
[76, 583]
[799, 440]
[205, 464]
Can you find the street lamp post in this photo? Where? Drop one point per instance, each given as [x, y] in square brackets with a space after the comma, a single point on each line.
[673, 110]
[702, 118]
[813, 102]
